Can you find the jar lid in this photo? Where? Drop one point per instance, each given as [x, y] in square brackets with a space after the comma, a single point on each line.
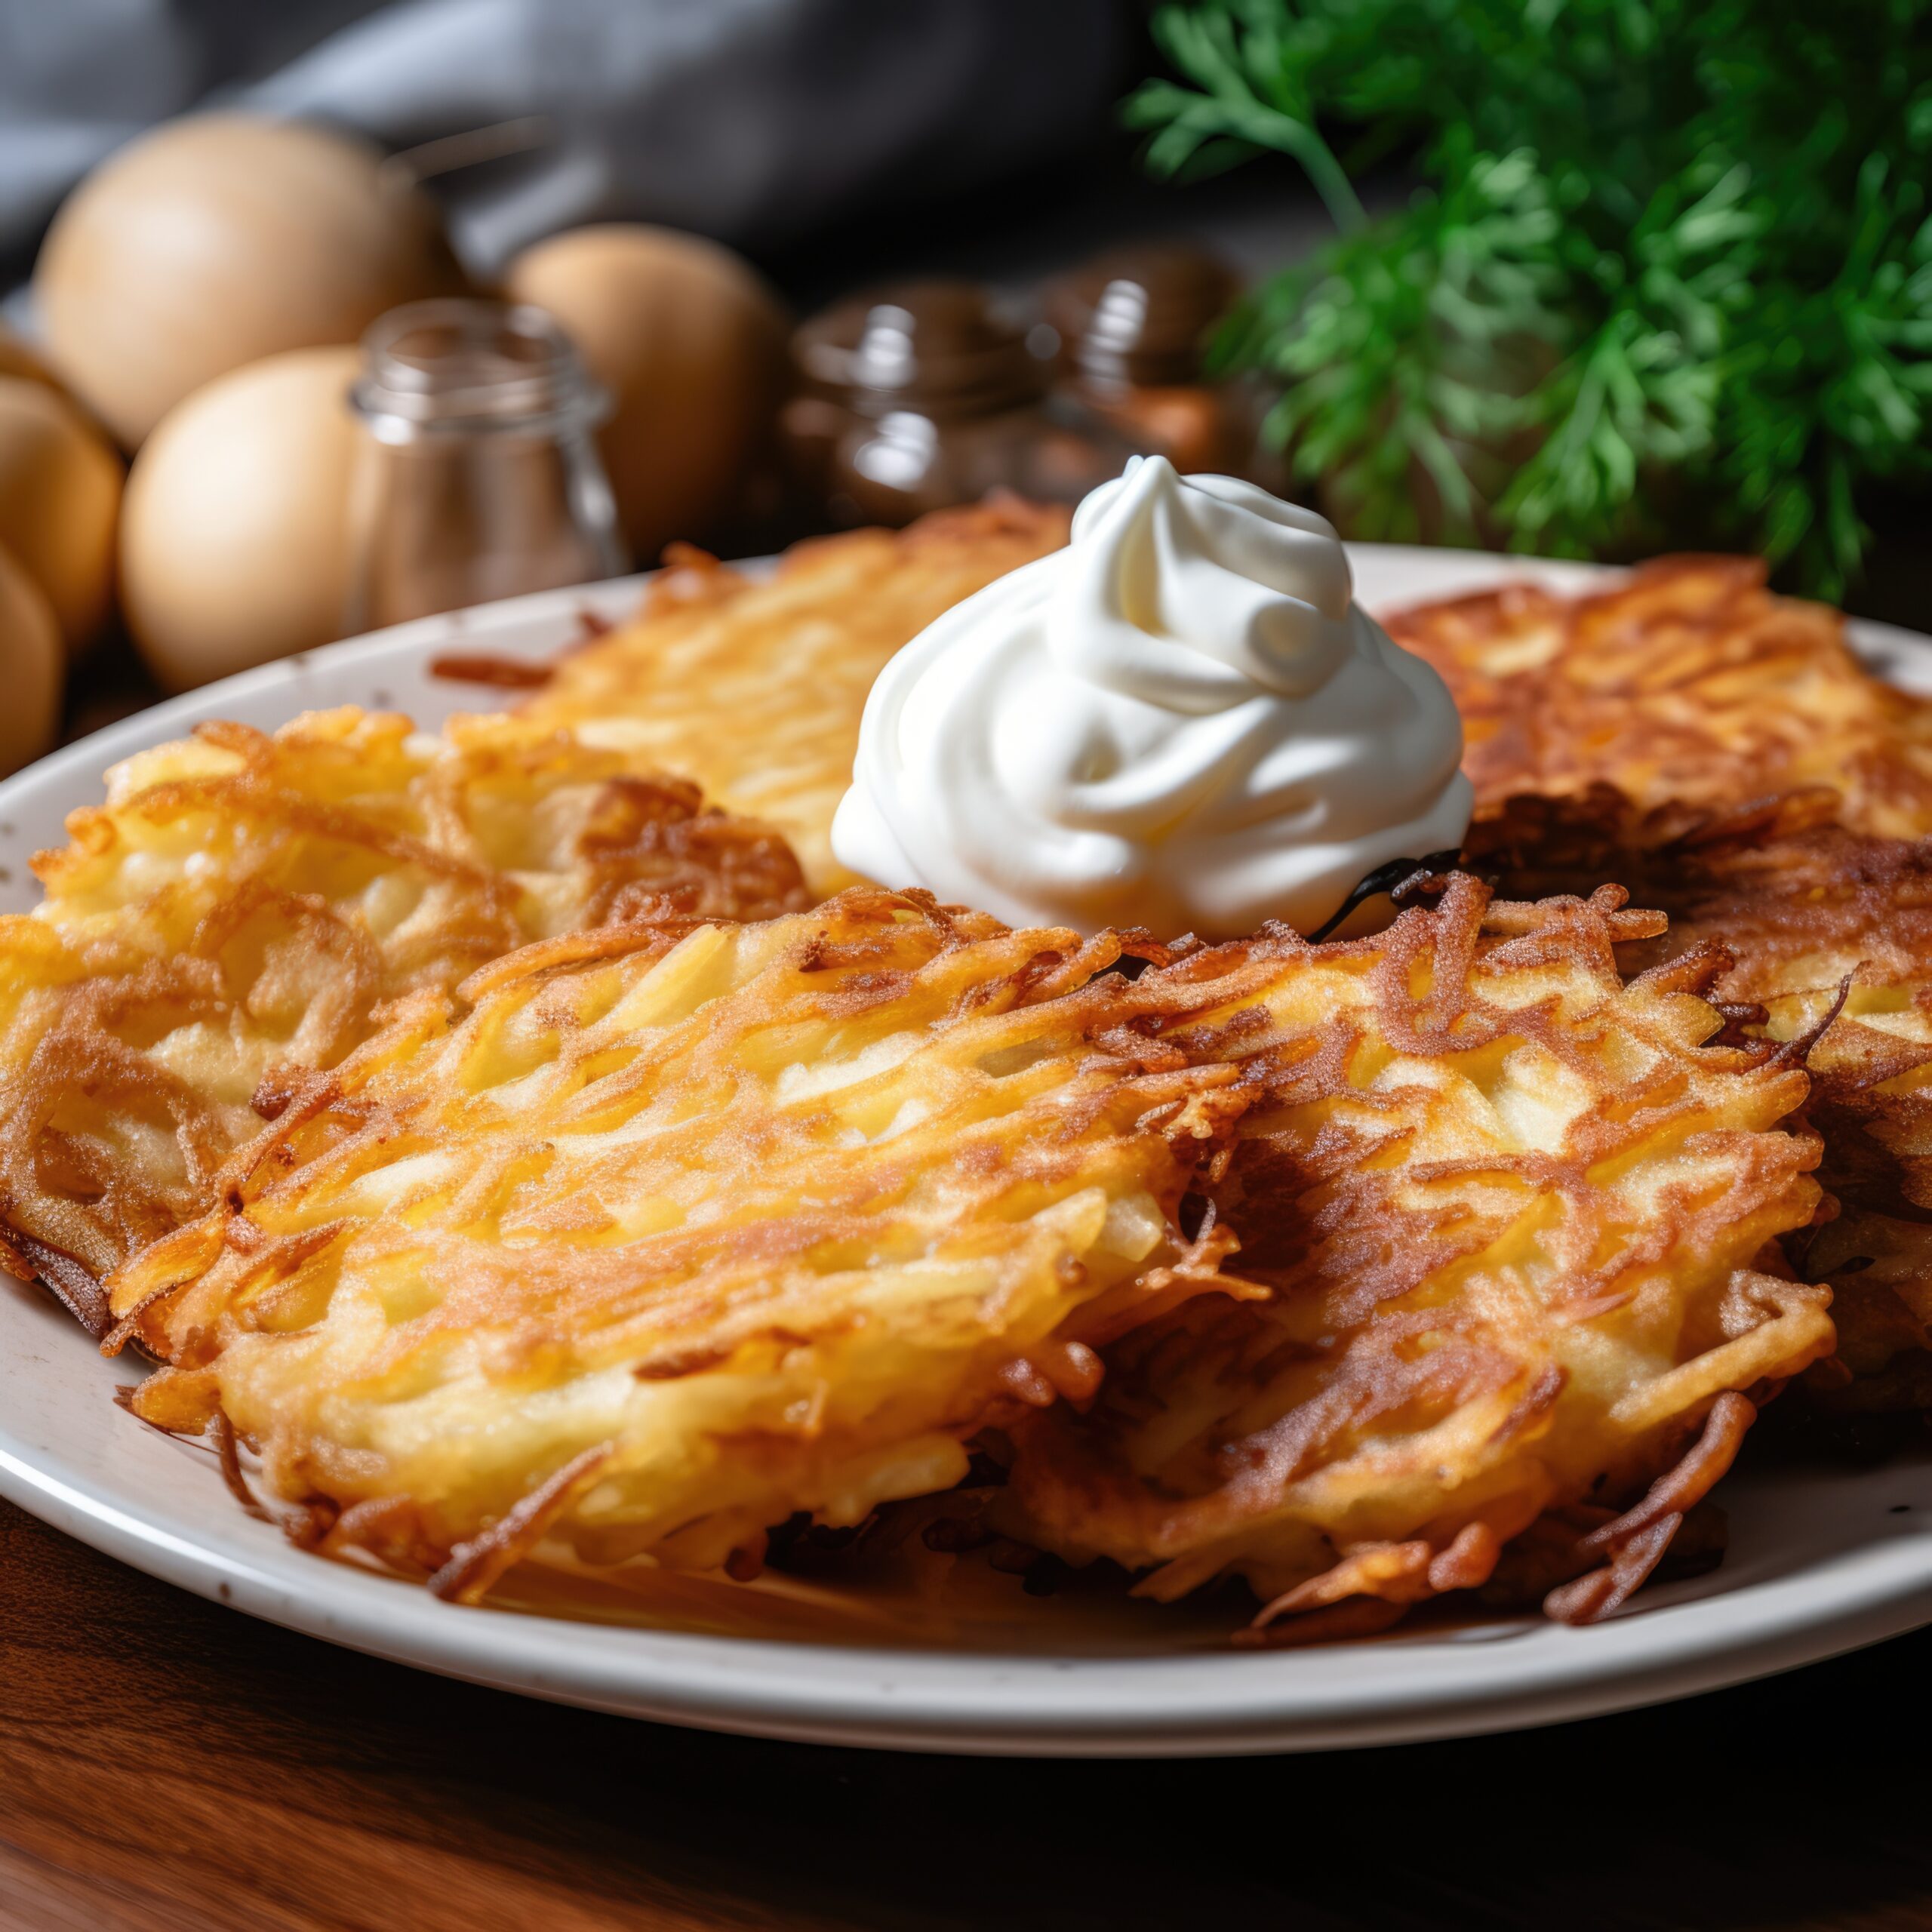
[939, 347]
[1140, 315]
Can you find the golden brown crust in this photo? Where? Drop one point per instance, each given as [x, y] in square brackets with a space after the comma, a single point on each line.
[1689, 684]
[642, 1256]
[756, 688]
[1720, 752]
[1828, 932]
[1508, 1206]
[698, 1229]
[245, 905]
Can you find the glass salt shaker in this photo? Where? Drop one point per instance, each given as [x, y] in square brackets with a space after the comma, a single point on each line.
[478, 477]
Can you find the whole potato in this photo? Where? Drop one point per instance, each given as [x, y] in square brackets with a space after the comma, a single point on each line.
[215, 241]
[32, 665]
[20, 358]
[690, 344]
[234, 544]
[60, 497]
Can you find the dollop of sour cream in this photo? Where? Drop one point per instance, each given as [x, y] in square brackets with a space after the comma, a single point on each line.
[1183, 721]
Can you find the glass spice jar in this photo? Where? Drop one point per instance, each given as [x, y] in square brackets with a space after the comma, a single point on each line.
[918, 398]
[1133, 323]
[478, 477]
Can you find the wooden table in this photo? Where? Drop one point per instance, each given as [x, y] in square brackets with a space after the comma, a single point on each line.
[167, 1764]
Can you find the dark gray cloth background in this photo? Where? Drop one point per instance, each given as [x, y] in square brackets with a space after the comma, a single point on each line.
[755, 121]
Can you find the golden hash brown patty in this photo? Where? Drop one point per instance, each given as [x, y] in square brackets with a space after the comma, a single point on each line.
[1689, 684]
[1830, 932]
[755, 688]
[242, 905]
[673, 1237]
[1509, 1207]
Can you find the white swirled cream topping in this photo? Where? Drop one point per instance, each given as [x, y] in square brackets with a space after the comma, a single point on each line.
[1183, 721]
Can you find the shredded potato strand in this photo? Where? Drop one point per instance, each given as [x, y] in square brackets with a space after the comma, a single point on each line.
[1509, 1208]
[761, 1219]
[244, 907]
[1688, 685]
[756, 688]
[1829, 935]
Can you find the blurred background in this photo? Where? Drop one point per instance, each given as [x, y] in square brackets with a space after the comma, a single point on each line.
[1597, 280]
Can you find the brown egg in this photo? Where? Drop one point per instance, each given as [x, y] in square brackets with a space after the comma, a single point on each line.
[234, 543]
[690, 344]
[216, 240]
[32, 664]
[59, 494]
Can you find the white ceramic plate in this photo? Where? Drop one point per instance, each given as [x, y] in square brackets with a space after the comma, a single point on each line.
[1820, 1562]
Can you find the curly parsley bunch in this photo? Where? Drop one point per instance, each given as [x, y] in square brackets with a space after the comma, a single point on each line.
[1670, 277]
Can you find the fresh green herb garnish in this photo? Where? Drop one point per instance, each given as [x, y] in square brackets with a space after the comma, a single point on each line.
[1671, 278]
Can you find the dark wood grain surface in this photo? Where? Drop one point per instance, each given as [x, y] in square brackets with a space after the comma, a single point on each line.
[166, 1763]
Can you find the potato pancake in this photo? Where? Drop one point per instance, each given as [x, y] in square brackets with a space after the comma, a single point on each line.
[1830, 934]
[1509, 1208]
[683, 1230]
[755, 687]
[1689, 684]
[244, 904]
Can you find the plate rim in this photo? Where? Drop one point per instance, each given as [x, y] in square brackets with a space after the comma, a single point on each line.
[965, 1702]
[994, 1704]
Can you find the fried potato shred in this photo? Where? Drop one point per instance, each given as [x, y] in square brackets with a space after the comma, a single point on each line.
[244, 907]
[1508, 1208]
[1829, 933]
[755, 688]
[1688, 685]
[686, 1227]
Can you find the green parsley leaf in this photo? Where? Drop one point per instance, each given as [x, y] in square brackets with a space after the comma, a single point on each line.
[1668, 281]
